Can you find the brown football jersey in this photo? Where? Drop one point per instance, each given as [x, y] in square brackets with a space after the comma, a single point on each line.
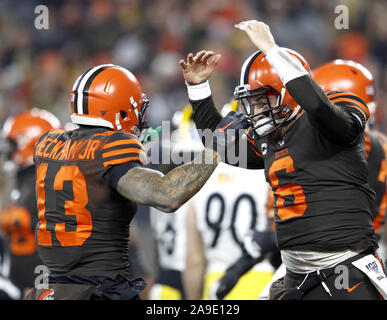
[84, 222]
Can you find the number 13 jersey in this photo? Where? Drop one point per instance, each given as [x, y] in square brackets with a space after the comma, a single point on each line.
[84, 222]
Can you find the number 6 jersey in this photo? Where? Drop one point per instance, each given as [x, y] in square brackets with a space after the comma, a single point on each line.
[84, 222]
[322, 199]
[318, 170]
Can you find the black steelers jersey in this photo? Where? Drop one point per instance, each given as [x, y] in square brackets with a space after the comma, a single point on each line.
[84, 222]
[18, 220]
[322, 199]
[377, 174]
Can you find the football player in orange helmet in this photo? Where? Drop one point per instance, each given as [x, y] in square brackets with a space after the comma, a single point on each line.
[24, 129]
[259, 83]
[89, 182]
[19, 215]
[109, 96]
[353, 77]
[312, 149]
[347, 75]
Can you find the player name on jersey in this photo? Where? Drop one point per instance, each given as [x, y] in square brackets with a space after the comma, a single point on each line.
[67, 150]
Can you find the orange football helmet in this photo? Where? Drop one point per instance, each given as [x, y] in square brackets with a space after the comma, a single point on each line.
[109, 96]
[347, 75]
[24, 129]
[259, 79]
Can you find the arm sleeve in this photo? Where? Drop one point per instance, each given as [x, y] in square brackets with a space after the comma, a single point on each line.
[339, 116]
[122, 148]
[242, 265]
[205, 114]
[117, 171]
[121, 153]
[265, 242]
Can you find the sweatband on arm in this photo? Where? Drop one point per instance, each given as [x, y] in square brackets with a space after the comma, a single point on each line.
[198, 91]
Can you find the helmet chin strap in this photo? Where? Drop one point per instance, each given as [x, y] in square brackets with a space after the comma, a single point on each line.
[281, 96]
[294, 113]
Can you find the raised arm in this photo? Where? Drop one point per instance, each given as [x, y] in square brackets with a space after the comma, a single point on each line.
[168, 192]
[197, 69]
[338, 117]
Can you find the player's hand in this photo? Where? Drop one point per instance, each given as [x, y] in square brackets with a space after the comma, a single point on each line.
[259, 33]
[257, 243]
[199, 67]
[234, 121]
[229, 130]
[223, 286]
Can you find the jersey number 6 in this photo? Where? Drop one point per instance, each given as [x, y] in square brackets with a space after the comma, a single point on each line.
[298, 207]
[75, 207]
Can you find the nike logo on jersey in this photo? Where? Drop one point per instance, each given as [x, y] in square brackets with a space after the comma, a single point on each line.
[354, 287]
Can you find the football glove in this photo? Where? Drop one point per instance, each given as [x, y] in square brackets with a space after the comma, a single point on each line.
[229, 130]
[258, 243]
[223, 286]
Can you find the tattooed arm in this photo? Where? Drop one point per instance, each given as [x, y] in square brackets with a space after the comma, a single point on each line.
[168, 192]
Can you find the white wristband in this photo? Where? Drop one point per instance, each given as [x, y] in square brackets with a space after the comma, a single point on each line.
[198, 91]
[287, 66]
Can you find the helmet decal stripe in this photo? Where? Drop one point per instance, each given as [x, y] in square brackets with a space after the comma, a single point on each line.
[75, 89]
[246, 67]
[81, 86]
[85, 98]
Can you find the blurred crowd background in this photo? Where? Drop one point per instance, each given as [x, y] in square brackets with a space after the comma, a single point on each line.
[149, 37]
[38, 67]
